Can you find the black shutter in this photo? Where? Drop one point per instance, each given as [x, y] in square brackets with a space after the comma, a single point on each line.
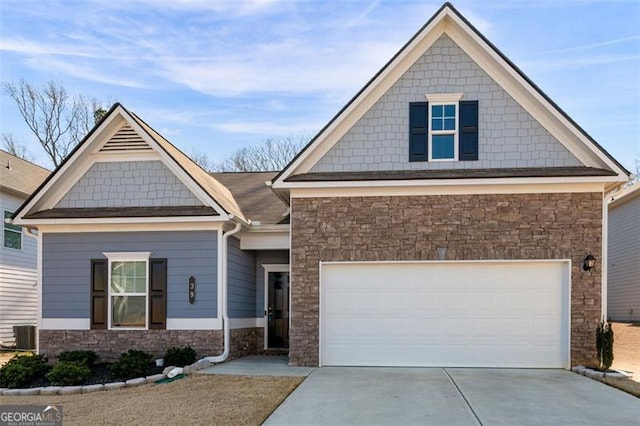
[157, 294]
[418, 131]
[99, 294]
[468, 127]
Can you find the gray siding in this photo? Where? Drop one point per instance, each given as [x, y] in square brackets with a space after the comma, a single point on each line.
[67, 260]
[623, 284]
[25, 257]
[241, 281]
[275, 257]
[128, 184]
[508, 135]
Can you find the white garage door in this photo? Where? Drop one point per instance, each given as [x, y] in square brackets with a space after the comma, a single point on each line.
[462, 314]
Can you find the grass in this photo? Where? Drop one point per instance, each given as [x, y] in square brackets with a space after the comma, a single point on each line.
[196, 400]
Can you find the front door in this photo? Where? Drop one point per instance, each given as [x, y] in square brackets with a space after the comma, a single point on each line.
[277, 310]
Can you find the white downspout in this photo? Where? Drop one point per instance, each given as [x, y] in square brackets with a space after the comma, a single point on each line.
[225, 312]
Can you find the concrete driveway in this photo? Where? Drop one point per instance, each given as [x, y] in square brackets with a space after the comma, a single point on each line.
[453, 396]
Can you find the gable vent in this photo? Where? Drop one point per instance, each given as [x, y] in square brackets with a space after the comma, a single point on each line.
[126, 140]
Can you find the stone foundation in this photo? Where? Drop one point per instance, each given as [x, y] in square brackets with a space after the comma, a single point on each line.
[471, 227]
[109, 344]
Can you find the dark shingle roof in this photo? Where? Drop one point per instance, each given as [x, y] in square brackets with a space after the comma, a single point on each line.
[451, 174]
[256, 200]
[103, 212]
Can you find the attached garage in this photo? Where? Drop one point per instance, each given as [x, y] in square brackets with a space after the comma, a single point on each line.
[445, 314]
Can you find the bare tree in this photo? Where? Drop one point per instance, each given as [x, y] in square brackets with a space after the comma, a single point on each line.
[15, 147]
[202, 160]
[58, 121]
[270, 155]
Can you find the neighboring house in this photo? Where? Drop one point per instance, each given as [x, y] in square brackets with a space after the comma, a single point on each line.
[18, 274]
[440, 219]
[623, 244]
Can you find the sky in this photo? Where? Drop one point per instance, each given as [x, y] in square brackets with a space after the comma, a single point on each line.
[216, 76]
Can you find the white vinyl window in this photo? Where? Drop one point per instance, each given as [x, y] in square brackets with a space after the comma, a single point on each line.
[443, 127]
[128, 290]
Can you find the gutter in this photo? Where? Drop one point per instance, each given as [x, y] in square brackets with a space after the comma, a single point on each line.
[223, 294]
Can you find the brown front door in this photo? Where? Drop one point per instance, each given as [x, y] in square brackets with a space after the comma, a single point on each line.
[278, 310]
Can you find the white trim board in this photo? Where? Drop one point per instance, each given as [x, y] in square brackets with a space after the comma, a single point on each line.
[65, 324]
[265, 240]
[172, 324]
[130, 227]
[194, 324]
[404, 189]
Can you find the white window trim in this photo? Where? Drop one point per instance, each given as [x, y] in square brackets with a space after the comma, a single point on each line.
[453, 132]
[5, 229]
[440, 98]
[128, 257]
[435, 99]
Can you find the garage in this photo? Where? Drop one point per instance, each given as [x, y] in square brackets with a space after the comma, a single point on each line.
[511, 314]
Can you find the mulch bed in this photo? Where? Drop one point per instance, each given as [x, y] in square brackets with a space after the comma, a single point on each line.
[100, 374]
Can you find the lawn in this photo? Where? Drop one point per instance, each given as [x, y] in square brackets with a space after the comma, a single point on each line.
[195, 400]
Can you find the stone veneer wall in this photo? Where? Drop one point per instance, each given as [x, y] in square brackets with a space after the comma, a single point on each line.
[471, 227]
[108, 344]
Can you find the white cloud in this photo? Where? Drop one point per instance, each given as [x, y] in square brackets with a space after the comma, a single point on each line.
[291, 67]
[85, 72]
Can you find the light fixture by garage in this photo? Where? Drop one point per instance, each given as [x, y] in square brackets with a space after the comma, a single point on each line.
[589, 262]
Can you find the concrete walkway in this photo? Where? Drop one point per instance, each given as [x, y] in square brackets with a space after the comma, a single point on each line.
[453, 396]
[259, 365]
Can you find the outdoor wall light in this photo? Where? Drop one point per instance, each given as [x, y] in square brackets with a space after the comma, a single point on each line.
[589, 262]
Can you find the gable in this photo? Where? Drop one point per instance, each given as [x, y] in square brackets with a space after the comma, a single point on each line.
[124, 168]
[509, 137]
[128, 184]
[578, 154]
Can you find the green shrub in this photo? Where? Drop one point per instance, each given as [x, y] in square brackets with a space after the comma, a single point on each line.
[131, 364]
[179, 357]
[21, 370]
[68, 373]
[85, 357]
[604, 345]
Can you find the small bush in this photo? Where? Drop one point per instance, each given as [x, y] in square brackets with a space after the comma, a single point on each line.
[179, 357]
[604, 345]
[68, 373]
[86, 357]
[131, 364]
[21, 370]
